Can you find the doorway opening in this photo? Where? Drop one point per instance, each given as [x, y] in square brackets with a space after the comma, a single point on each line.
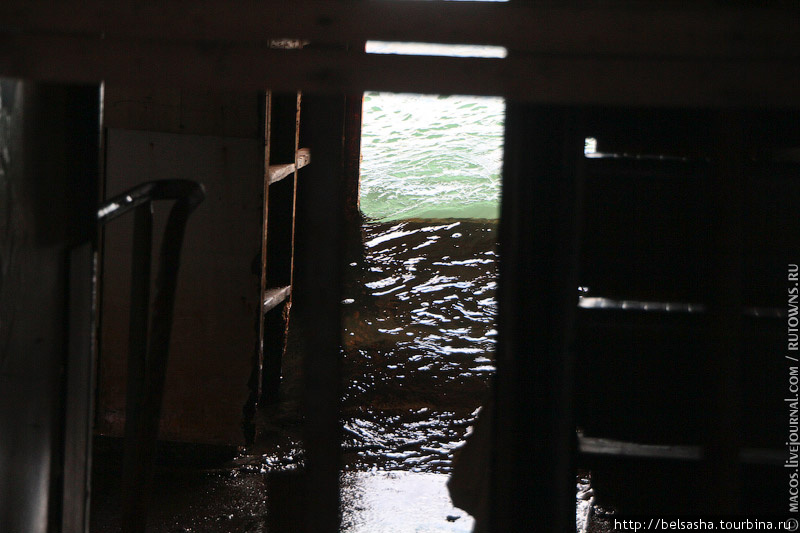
[419, 327]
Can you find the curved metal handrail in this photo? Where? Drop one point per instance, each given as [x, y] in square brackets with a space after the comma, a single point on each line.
[148, 354]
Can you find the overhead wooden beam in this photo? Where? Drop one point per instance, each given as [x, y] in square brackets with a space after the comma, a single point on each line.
[628, 28]
[534, 78]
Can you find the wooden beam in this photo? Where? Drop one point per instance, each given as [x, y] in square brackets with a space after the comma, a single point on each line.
[352, 164]
[81, 150]
[628, 28]
[533, 78]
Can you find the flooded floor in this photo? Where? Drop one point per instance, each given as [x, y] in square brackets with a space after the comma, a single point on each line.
[419, 337]
[418, 341]
[235, 498]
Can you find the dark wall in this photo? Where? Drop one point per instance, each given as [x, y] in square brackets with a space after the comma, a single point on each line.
[48, 183]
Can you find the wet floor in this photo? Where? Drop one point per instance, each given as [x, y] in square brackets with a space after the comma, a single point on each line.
[400, 502]
[418, 342]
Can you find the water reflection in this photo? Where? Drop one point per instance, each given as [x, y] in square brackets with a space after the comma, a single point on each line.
[419, 340]
[398, 502]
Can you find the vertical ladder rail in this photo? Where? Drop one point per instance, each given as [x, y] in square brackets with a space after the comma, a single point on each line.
[284, 160]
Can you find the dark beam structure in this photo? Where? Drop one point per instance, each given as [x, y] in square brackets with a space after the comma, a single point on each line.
[723, 334]
[626, 53]
[317, 298]
[576, 27]
[580, 79]
[533, 462]
[49, 141]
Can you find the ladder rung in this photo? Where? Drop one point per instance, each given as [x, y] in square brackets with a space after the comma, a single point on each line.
[597, 447]
[278, 172]
[275, 296]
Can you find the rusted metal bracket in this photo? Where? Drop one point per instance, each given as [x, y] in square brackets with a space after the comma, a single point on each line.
[148, 354]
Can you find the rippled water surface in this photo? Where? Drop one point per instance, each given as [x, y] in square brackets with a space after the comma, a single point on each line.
[431, 156]
[419, 340]
[419, 326]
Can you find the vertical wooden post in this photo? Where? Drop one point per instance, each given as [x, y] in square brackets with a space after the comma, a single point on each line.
[317, 302]
[533, 478]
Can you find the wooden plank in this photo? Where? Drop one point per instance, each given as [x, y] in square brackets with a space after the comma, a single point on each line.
[573, 79]
[284, 131]
[266, 98]
[274, 297]
[80, 391]
[352, 163]
[186, 111]
[662, 29]
[81, 152]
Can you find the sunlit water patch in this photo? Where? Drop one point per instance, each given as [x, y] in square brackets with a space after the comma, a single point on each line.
[431, 156]
[399, 502]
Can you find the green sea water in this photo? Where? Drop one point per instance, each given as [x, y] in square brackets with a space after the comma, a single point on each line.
[429, 156]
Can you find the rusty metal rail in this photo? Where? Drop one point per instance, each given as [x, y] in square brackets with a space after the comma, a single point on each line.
[148, 354]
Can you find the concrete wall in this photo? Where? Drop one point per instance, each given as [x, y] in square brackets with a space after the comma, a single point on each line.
[213, 139]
